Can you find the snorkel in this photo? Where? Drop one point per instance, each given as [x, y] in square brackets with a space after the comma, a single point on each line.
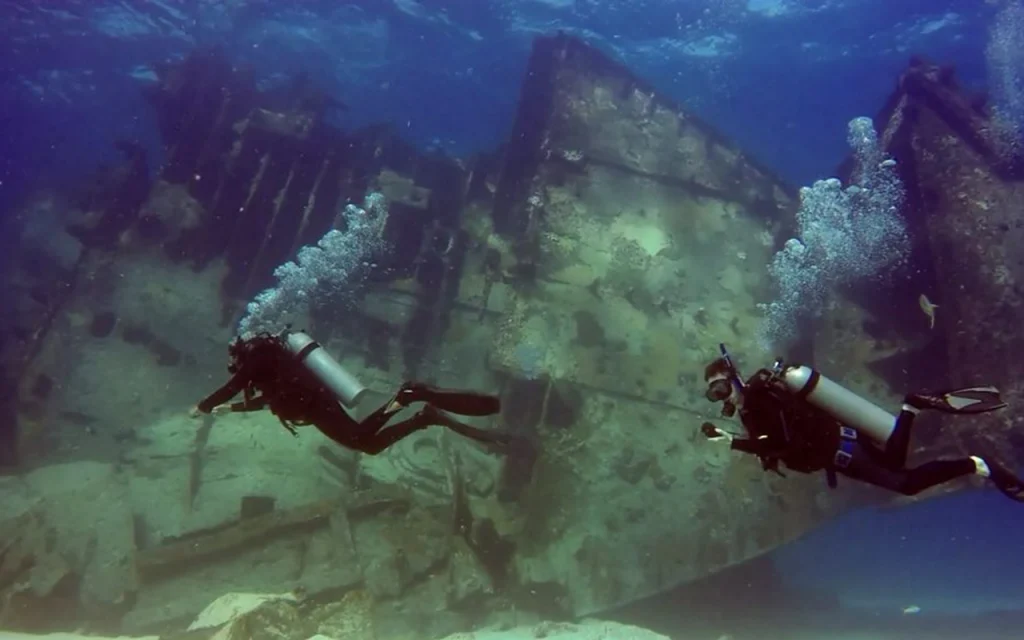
[734, 374]
[725, 389]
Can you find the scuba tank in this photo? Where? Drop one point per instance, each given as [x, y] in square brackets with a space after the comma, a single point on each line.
[327, 370]
[838, 401]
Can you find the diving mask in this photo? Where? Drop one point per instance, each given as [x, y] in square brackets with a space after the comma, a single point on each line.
[721, 390]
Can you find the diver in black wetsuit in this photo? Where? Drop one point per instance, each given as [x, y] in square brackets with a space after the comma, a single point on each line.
[303, 385]
[796, 416]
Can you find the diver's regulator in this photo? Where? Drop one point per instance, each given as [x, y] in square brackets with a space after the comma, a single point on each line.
[321, 364]
[818, 390]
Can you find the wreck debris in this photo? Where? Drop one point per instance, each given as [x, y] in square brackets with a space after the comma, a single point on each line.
[269, 182]
[112, 206]
[964, 199]
[608, 197]
[578, 104]
[582, 284]
[177, 556]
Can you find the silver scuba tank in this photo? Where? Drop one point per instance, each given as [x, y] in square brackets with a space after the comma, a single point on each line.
[839, 402]
[327, 370]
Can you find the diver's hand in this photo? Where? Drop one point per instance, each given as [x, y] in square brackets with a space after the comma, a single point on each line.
[712, 433]
[220, 409]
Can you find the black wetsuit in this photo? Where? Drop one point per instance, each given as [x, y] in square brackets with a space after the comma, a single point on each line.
[263, 365]
[805, 439]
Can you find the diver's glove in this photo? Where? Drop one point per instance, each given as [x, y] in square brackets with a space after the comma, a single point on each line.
[711, 432]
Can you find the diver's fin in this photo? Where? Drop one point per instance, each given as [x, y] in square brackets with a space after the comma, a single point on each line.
[967, 400]
[1006, 481]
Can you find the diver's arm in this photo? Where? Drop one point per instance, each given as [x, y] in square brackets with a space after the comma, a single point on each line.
[232, 388]
[712, 433]
[257, 403]
[756, 446]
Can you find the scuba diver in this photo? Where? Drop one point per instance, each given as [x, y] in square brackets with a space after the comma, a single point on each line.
[795, 415]
[303, 385]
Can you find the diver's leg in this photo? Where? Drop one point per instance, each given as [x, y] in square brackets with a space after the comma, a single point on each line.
[866, 466]
[334, 422]
[966, 400]
[374, 422]
[374, 443]
[872, 466]
[470, 403]
[874, 470]
[898, 445]
[381, 439]
[435, 416]
[1004, 479]
[407, 394]
[931, 474]
[460, 401]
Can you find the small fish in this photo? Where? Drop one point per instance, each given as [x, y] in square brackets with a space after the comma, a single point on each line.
[911, 610]
[929, 309]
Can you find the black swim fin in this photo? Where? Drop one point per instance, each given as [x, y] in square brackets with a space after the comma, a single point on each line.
[1006, 481]
[967, 400]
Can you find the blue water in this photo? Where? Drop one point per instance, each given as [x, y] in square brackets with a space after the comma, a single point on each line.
[781, 78]
[778, 77]
[951, 554]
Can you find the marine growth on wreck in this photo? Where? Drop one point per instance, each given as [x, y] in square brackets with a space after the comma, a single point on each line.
[584, 273]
